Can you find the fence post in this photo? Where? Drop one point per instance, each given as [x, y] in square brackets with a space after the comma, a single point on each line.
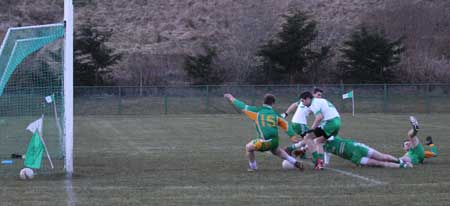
[165, 103]
[254, 95]
[207, 99]
[120, 101]
[385, 98]
[342, 100]
[428, 98]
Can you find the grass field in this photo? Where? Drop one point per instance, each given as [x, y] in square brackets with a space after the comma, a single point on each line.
[199, 160]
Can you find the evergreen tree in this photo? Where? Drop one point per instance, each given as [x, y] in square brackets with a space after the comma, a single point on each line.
[369, 57]
[201, 69]
[289, 53]
[93, 59]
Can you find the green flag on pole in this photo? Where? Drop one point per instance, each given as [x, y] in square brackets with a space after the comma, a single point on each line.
[348, 95]
[36, 148]
[35, 151]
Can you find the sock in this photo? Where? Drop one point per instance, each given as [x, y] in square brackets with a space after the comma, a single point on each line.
[315, 157]
[321, 156]
[292, 147]
[291, 160]
[433, 149]
[253, 165]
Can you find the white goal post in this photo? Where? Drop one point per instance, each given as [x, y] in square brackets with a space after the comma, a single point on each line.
[68, 85]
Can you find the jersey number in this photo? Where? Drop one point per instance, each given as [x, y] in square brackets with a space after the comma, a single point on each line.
[269, 119]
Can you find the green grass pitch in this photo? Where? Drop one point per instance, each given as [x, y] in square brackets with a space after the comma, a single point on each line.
[200, 160]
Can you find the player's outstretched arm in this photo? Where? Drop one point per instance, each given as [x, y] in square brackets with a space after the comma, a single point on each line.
[290, 109]
[317, 121]
[250, 111]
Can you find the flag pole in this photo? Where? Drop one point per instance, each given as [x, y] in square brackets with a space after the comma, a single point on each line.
[58, 124]
[353, 103]
[43, 142]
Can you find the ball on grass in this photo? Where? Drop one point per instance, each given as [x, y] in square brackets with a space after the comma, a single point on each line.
[26, 174]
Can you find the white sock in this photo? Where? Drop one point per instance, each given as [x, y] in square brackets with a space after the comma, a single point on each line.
[291, 160]
[326, 157]
[253, 165]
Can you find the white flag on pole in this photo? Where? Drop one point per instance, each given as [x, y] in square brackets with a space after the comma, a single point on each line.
[49, 99]
[36, 125]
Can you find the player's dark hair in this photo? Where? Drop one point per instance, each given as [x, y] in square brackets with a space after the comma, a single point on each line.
[403, 144]
[306, 95]
[317, 90]
[269, 99]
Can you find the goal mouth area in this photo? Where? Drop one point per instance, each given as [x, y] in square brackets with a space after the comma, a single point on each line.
[31, 69]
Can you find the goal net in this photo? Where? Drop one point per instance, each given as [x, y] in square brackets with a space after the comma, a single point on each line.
[31, 88]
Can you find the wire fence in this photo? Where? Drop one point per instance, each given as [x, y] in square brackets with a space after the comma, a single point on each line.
[208, 99]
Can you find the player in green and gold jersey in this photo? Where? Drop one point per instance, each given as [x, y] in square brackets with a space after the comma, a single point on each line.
[267, 121]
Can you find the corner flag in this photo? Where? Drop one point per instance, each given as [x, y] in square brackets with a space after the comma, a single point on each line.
[349, 95]
[35, 151]
[36, 148]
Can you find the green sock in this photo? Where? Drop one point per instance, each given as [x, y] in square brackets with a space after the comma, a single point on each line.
[321, 156]
[315, 157]
[433, 149]
[291, 147]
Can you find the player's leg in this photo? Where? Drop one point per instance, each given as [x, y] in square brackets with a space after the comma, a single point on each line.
[433, 150]
[250, 149]
[283, 155]
[329, 129]
[318, 156]
[414, 127]
[311, 145]
[376, 163]
[374, 154]
[299, 129]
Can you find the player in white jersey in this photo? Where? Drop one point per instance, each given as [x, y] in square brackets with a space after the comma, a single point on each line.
[300, 118]
[299, 124]
[326, 124]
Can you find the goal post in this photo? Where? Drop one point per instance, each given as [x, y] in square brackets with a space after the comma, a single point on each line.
[36, 82]
[68, 85]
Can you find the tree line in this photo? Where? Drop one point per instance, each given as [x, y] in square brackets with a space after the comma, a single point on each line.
[289, 56]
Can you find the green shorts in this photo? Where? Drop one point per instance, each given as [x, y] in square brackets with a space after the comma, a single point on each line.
[331, 127]
[262, 145]
[300, 129]
[359, 151]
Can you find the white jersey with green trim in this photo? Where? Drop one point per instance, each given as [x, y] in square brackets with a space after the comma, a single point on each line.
[320, 105]
[301, 114]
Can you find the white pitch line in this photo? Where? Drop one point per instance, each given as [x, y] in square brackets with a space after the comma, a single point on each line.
[372, 181]
[71, 199]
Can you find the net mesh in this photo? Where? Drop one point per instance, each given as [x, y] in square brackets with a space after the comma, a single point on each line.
[31, 68]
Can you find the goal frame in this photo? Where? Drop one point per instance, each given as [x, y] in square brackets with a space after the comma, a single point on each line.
[68, 86]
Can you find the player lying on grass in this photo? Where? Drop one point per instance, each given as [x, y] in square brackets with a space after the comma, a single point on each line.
[415, 152]
[361, 154]
[326, 124]
[267, 122]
